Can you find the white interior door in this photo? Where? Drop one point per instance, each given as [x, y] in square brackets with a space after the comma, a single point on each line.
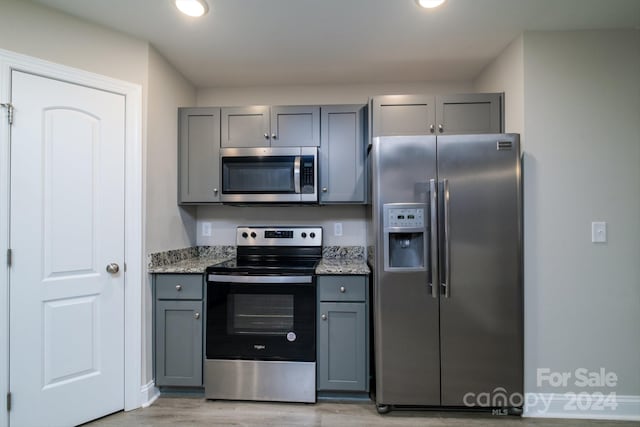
[66, 225]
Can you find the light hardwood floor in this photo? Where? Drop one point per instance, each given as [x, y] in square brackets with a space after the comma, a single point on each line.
[196, 411]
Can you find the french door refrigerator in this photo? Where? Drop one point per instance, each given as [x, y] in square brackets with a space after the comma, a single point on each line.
[446, 227]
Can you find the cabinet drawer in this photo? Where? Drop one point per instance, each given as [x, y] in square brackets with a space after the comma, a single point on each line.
[179, 286]
[342, 288]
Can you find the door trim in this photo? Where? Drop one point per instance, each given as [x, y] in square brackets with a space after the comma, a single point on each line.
[133, 276]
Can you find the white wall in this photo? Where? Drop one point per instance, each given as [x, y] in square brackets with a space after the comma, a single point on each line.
[506, 74]
[226, 218]
[167, 225]
[582, 125]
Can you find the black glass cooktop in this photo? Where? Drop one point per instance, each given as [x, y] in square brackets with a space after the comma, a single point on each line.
[266, 266]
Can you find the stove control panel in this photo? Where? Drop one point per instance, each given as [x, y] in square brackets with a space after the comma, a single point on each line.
[279, 236]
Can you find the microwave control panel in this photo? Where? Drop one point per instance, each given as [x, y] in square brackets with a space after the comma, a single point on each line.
[307, 175]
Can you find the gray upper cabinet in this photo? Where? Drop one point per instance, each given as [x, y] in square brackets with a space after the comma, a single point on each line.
[403, 115]
[245, 126]
[295, 126]
[342, 154]
[469, 113]
[198, 151]
[441, 115]
[264, 126]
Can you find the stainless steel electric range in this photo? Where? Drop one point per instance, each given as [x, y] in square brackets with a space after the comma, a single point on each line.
[261, 311]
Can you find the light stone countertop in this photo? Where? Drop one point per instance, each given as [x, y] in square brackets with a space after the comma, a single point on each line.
[342, 266]
[191, 265]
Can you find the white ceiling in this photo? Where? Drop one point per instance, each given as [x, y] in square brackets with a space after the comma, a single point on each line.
[271, 42]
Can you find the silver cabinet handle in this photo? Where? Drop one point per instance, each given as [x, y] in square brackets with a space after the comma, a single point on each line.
[447, 242]
[342, 289]
[266, 136]
[113, 268]
[323, 317]
[440, 128]
[325, 189]
[274, 136]
[197, 315]
[215, 191]
[433, 234]
[178, 288]
[431, 128]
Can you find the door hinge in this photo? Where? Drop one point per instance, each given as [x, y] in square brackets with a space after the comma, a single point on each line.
[9, 107]
[9, 257]
[8, 401]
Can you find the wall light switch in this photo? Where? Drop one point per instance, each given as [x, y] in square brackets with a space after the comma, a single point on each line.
[206, 229]
[598, 232]
[337, 229]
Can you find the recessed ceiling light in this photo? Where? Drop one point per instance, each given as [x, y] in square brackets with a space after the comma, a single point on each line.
[193, 8]
[429, 4]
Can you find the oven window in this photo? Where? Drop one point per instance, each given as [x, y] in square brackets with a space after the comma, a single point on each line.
[260, 314]
[258, 174]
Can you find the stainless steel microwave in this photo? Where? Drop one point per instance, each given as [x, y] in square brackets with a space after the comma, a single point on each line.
[269, 174]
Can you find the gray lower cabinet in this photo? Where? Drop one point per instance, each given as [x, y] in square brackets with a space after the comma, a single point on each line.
[342, 154]
[276, 126]
[178, 329]
[198, 155]
[343, 334]
[437, 115]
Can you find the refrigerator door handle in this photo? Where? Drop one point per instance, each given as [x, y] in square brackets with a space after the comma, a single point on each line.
[446, 284]
[433, 237]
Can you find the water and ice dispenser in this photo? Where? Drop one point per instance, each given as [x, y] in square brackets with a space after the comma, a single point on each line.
[405, 242]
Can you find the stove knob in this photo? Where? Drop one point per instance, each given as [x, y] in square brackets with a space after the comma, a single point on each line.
[304, 235]
[312, 235]
[245, 235]
[253, 234]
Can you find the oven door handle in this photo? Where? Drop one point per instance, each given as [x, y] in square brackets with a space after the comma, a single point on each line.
[259, 279]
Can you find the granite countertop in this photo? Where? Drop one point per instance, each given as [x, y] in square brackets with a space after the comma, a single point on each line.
[335, 260]
[342, 266]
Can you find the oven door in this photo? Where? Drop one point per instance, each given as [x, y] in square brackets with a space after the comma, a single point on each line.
[261, 317]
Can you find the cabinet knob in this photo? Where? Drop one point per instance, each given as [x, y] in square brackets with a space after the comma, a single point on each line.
[197, 315]
[178, 288]
[431, 128]
[266, 136]
[440, 128]
[323, 317]
[342, 289]
[274, 136]
[215, 191]
[324, 189]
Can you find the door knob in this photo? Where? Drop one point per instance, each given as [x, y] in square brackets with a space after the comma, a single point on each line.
[113, 268]
[323, 317]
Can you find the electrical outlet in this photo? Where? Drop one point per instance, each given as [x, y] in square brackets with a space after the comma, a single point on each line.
[337, 229]
[206, 229]
[599, 232]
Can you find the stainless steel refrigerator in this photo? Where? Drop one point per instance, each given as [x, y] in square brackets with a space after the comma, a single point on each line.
[446, 243]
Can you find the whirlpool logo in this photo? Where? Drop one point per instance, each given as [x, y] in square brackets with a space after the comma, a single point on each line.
[259, 346]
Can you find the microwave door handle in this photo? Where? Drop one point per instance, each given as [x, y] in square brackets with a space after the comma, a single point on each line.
[296, 175]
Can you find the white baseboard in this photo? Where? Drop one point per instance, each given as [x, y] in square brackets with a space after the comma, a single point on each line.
[148, 394]
[591, 406]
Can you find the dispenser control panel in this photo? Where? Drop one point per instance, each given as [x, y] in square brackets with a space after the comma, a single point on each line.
[405, 217]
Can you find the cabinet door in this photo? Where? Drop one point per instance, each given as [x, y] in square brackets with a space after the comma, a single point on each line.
[295, 126]
[342, 350]
[245, 126]
[199, 148]
[178, 343]
[469, 113]
[342, 155]
[403, 115]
